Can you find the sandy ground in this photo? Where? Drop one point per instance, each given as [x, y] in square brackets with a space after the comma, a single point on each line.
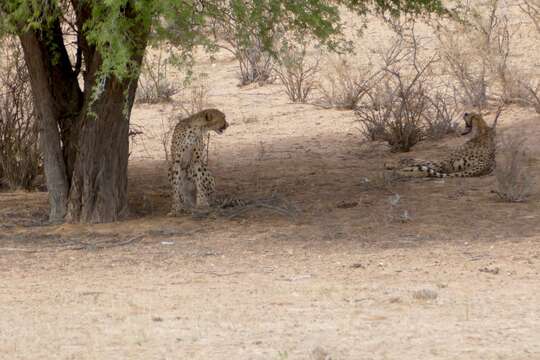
[447, 272]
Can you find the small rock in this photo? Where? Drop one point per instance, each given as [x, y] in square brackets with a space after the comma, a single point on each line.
[425, 294]
[357, 266]
[320, 354]
[347, 204]
[494, 270]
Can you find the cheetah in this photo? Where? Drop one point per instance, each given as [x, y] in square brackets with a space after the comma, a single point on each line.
[192, 184]
[474, 158]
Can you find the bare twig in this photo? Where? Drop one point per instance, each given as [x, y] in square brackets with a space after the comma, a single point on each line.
[263, 203]
[497, 114]
[213, 273]
[79, 245]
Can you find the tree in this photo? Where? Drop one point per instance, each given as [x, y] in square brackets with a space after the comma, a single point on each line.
[84, 58]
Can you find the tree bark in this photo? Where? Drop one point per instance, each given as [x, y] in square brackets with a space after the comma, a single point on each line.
[58, 100]
[99, 182]
[84, 138]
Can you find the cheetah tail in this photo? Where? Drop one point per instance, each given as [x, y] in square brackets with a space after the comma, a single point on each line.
[228, 202]
[422, 171]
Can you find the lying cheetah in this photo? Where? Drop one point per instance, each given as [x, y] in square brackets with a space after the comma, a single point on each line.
[192, 183]
[474, 158]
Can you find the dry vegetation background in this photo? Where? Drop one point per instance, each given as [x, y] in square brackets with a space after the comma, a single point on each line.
[348, 262]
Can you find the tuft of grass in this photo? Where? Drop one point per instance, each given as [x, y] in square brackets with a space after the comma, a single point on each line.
[514, 180]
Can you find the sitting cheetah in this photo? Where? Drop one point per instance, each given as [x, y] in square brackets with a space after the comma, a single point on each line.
[474, 158]
[192, 183]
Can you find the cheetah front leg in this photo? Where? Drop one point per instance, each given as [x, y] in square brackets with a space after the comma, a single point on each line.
[183, 190]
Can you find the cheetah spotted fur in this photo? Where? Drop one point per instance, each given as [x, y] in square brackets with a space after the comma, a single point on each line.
[193, 185]
[474, 158]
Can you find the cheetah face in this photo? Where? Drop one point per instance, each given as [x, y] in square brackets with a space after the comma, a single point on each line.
[468, 123]
[215, 120]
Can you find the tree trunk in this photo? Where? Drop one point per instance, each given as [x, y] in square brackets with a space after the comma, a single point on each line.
[58, 100]
[99, 182]
[83, 138]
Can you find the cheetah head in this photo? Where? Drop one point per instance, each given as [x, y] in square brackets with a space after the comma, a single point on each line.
[214, 119]
[473, 123]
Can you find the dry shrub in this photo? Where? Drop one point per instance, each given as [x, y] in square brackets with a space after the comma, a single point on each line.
[476, 48]
[256, 64]
[511, 80]
[533, 94]
[154, 86]
[393, 113]
[242, 40]
[396, 107]
[406, 105]
[514, 180]
[531, 8]
[20, 160]
[440, 119]
[477, 52]
[297, 74]
[345, 84]
[466, 67]
[517, 89]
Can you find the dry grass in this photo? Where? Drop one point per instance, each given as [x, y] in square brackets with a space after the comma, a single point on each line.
[514, 180]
